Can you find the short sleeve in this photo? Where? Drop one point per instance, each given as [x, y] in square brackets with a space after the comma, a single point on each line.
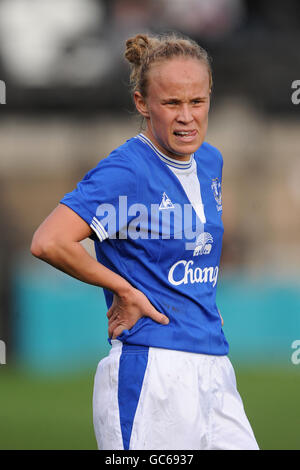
[102, 197]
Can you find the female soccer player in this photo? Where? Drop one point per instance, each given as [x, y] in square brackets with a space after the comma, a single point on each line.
[153, 208]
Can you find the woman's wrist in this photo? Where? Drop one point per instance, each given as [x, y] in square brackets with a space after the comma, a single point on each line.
[120, 286]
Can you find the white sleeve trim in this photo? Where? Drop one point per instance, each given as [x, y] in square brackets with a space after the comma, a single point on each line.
[99, 229]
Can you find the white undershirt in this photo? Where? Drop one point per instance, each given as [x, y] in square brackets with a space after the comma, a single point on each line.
[190, 183]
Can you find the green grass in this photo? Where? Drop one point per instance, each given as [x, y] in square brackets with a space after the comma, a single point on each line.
[39, 413]
[271, 400]
[43, 413]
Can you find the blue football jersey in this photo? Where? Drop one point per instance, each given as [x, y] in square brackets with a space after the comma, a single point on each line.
[147, 231]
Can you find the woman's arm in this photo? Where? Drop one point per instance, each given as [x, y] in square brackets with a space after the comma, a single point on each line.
[57, 242]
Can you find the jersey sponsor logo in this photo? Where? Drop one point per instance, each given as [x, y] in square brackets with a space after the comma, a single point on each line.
[203, 244]
[217, 192]
[184, 272]
[166, 203]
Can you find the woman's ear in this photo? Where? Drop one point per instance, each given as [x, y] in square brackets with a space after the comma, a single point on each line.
[141, 104]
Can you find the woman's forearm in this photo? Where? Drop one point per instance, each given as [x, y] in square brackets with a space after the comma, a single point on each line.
[73, 259]
[57, 242]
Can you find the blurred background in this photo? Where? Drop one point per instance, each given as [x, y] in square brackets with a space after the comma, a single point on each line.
[67, 106]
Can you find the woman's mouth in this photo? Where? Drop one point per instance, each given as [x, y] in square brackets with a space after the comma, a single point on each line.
[185, 136]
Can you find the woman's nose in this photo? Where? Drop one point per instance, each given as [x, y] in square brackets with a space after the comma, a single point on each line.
[185, 116]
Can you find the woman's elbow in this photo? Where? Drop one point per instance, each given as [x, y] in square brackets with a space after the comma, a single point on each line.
[42, 247]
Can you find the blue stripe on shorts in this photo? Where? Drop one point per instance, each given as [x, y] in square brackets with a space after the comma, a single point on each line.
[132, 368]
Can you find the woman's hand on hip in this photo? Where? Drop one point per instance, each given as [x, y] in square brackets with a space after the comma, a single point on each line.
[128, 308]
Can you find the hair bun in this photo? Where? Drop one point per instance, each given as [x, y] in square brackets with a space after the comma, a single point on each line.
[136, 48]
[143, 50]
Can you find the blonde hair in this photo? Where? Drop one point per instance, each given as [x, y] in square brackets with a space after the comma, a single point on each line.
[143, 50]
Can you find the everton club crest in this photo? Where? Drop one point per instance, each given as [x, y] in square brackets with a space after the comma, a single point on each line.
[217, 192]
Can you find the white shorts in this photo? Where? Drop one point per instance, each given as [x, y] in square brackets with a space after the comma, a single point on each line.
[159, 399]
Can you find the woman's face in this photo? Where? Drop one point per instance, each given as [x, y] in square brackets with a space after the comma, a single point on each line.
[176, 107]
